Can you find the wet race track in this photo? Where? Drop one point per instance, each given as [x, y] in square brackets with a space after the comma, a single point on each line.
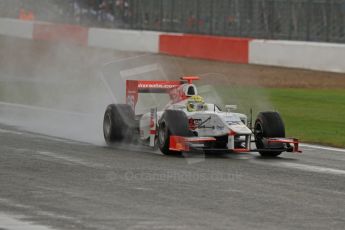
[57, 173]
[53, 183]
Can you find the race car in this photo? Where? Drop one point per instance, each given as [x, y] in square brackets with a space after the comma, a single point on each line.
[188, 123]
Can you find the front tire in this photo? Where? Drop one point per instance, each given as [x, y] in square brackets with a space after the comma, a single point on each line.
[267, 125]
[172, 123]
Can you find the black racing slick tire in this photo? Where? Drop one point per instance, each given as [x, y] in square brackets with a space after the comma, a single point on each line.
[172, 123]
[267, 125]
[118, 124]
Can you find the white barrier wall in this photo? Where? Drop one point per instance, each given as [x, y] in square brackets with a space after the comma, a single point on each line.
[306, 55]
[293, 54]
[16, 28]
[126, 40]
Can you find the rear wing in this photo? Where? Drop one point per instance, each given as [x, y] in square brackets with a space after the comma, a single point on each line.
[176, 93]
[134, 87]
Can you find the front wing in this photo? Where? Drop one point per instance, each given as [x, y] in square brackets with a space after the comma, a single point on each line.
[190, 144]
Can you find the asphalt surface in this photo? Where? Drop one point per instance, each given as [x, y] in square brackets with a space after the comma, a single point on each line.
[53, 183]
[60, 175]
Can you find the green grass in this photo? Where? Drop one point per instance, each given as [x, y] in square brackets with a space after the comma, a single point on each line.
[316, 116]
[312, 115]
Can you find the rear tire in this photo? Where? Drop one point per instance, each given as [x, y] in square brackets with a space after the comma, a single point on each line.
[268, 124]
[118, 124]
[172, 123]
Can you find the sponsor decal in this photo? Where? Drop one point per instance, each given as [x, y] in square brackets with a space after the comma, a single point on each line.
[152, 119]
[163, 85]
[194, 123]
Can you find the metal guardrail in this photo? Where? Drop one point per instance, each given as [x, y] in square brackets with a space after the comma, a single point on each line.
[307, 20]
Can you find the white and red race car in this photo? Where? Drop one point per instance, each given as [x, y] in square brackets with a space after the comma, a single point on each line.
[188, 123]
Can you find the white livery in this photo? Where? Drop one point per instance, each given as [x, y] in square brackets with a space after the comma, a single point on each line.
[188, 123]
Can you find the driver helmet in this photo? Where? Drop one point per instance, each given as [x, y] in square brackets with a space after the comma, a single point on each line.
[196, 103]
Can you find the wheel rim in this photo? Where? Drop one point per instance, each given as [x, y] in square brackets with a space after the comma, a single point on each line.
[258, 132]
[107, 125]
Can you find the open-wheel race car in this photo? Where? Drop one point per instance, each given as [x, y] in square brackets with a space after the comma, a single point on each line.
[188, 123]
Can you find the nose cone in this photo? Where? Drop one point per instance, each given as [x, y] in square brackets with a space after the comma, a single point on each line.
[240, 129]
